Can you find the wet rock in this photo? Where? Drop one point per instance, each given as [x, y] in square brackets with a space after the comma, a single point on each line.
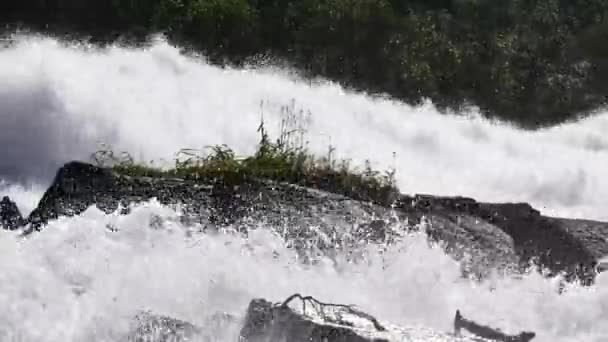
[266, 322]
[306, 319]
[480, 246]
[326, 219]
[557, 245]
[10, 216]
[488, 333]
[485, 236]
[323, 322]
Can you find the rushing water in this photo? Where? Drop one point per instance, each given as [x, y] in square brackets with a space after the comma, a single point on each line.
[78, 281]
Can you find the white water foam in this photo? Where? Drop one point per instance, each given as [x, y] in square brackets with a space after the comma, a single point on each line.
[58, 101]
[76, 281]
[80, 281]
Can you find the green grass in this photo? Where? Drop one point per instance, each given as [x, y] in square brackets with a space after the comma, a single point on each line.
[281, 160]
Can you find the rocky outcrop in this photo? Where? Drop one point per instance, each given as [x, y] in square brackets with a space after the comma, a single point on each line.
[10, 216]
[486, 236]
[326, 219]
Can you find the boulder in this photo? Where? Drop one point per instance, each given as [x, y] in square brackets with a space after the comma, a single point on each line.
[267, 322]
[324, 322]
[488, 333]
[10, 216]
[484, 236]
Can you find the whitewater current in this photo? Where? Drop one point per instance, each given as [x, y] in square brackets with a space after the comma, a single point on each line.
[80, 281]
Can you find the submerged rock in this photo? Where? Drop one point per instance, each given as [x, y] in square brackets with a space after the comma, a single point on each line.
[484, 236]
[10, 216]
[148, 327]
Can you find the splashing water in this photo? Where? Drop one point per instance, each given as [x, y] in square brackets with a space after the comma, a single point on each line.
[78, 281]
[58, 101]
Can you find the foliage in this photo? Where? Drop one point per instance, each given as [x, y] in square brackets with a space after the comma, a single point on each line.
[527, 61]
[284, 160]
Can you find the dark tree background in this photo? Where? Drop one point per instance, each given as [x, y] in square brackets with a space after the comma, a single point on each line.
[531, 62]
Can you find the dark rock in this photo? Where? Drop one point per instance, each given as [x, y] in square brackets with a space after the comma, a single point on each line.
[267, 322]
[488, 333]
[561, 246]
[491, 248]
[323, 322]
[497, 236]
[310, 215]
[10, 216]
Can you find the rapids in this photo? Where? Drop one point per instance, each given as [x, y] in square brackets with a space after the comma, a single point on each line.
[79, 281]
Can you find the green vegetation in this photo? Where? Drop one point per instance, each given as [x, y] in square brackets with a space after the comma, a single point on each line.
[532, 62]
[285, 160]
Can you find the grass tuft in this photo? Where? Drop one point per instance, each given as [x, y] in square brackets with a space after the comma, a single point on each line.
[284, 160]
